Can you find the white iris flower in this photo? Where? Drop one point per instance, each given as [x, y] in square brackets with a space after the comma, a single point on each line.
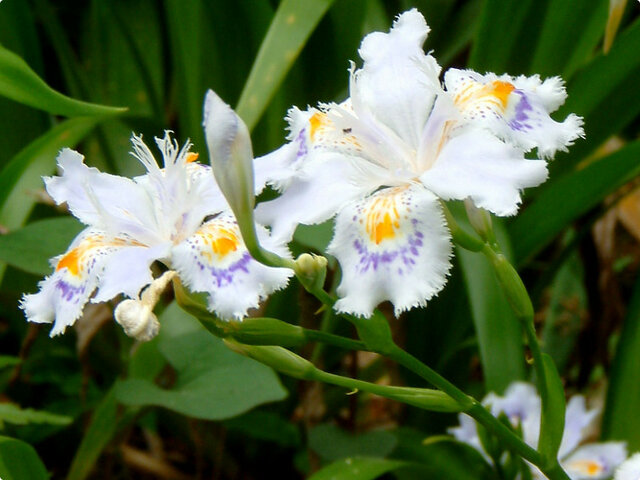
[175, 214]
[521, 405]
[380, 161]
[630, 469]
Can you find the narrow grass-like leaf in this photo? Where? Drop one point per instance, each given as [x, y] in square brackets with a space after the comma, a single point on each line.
[19, 461]
[20, 83]
[292, 25]
[21, 178]
[31, 247]
[552, 424]
[358, 468]
[569, 35]
[606, 94]
[568, 198]
[501, 24]
[13, 414]
[497, 328]
[621, 420]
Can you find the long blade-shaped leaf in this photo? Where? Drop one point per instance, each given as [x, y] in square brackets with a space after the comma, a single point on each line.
[621, 420]
[20, 83]
[291, 27]
[568, 198]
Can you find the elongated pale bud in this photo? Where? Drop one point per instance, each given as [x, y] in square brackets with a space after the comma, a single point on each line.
[136, 316]
[266, 331]
[231, 158]
[230, 154]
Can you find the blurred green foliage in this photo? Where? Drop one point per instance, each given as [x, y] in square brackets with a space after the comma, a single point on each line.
[180, 406]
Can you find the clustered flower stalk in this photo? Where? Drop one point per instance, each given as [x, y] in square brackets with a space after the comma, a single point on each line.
[382, 164]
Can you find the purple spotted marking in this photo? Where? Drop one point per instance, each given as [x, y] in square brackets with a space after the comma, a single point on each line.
[406, 254]
[521, 117]
[223, 277]
[68, 291]
[302, 144]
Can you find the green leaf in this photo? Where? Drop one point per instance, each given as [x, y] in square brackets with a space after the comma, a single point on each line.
[8, 360]
[11, 413]
[569, 35]
[22, 176]
[497, 328]
[553, 409]
[358, 468]
[19, 461]
[18, 82]
[568, 198]
[292, 25]
[332, 443]
[621, 420]
[267, 426]
[605, 93]
[26, 249]
[108, 419]
[212, 380]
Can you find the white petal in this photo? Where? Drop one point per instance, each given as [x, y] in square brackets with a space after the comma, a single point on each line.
[595, 460]
[108, 202]
[576, 426]
[321, 188]
[630, 469]
[128, 271]
[64, 293]
[214, 260]
[393, 245]
[477, 165]
[398, 82]
[517, 110]
[467, 433]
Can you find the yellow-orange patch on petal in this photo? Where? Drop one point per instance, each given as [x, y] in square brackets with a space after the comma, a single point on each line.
[587, 467]
[221, 240]
[496, 93]
[501, 90]
[317, 123]
[76, 259]
[382, 218]
[192, 157]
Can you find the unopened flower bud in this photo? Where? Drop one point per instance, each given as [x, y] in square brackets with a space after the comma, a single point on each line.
[266, 331]
[311, 270]
[480, 220]
[278, 358]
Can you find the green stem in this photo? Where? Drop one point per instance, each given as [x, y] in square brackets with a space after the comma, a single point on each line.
[335, 340]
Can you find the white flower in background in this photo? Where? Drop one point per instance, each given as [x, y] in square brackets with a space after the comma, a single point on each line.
[521, 405]
[175, 214]
[630, 469]
[380, 160]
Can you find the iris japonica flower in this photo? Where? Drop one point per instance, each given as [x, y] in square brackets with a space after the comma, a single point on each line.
[521, 405]
[381, 160]
[174, 214]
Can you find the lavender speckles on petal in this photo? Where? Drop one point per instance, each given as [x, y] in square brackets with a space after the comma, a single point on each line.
[521, 116]
[221, 277]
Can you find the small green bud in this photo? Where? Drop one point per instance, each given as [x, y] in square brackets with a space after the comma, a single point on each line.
[278, 358]
[512, 285]
[426, 398]
[480, 220]
[266, 331]
[459, 235]
[311, 270]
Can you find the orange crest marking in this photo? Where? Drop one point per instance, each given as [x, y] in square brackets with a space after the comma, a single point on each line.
[192, 157]
[501, 90]
[383, 219]
[222, 241]
[589, 467]
[71, 261]
[317, 122]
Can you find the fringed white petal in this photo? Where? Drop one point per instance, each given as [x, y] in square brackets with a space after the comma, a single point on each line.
[393, 245]
[214, 260]
[517, 110]
[595, 461]
[398, 82]
[108, 202]
[319, 191]
[477, 165]
[65, 292]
